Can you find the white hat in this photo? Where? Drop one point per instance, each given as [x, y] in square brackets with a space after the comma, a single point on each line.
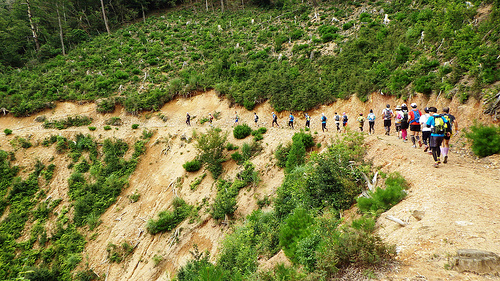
[322, 114]
[414, 105]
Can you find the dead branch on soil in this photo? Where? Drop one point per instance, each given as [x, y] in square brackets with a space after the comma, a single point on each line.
[396, 220]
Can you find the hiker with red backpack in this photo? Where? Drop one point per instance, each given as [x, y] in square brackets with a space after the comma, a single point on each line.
[439, 128]
[414, 121]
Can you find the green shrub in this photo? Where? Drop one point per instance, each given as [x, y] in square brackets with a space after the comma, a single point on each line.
[7, 132]
[383, 199]
[71, 121]
[135, 126]
[248, 175]
[225, 200]
[237, 157]
[485, 139]
[262, 130]
[258, 137]
[107, 127]
[231, 146]
[192, 166]
[168, 220]
[91, 128]
[296, 227]
[281, 154]
[307, 139]
[242, 131]
[354, 244]
[211, 147]
[114, 121]
[197, 181]
[296, 156]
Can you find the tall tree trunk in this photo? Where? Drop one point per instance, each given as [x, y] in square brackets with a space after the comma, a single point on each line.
[33, 28]
[143, 13]
[60, 29]
[105, 19]
[206, 4]
[222, 5]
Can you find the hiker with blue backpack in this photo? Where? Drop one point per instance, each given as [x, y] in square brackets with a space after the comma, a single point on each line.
[439, 128]
[323, 122]
[414, 121]
[371, 122]
[290, 121]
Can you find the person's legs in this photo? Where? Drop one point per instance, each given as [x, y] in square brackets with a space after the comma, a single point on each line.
[403, 134]
[445, 149]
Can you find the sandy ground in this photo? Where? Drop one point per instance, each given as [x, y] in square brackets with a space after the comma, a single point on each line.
[460, 199]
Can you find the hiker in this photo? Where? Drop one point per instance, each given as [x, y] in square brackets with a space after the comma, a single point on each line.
[323, 122]
[446, 141]
[426, 131]
[439, 127]
[344, 121]
[188, 119]
[290, 121]
[236, 118]
[404, 122]
[398, 115]
[210, 118]
[275, 120]
[414, 121]
[371, 122]
[308, 121]
[256, 118]
[337, 122]
[361, 121]
[387, 115]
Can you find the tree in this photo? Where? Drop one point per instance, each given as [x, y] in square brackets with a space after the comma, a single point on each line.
[33, 27]
[104, 17]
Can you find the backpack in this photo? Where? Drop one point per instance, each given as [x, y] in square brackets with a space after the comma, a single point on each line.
[416, 116]
[387, 113]
[405, 117]
[323, 118]
[337, 118]
[344, 118]
[291, 118]
[447, 117]
[371, 117]
[440, 126]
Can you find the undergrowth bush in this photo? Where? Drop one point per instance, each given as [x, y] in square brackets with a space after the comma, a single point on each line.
[71, 121]
[242, 131]
[485, 139]
[383, 199]
[192, 166]
[168, 220]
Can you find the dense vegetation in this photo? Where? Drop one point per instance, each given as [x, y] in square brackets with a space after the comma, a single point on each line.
[485, 139]
[304, 220]
[295, 55]
[31, 247]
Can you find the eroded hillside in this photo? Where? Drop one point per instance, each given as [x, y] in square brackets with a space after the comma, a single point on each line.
[459, 199]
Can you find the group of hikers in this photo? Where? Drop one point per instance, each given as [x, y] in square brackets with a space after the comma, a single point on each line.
[435, 128]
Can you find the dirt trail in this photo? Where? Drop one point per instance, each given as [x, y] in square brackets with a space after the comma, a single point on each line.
[461, 204]
[460, 199]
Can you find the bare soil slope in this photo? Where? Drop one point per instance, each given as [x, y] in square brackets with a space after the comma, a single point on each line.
[459, 199]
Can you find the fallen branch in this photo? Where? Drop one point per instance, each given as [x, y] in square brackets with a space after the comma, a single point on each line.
[396, 220]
